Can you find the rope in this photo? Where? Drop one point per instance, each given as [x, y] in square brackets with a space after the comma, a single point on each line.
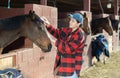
[101, 6]
[8, 4]
[54, 3]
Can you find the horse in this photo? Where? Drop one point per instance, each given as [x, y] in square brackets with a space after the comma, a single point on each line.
[64, 22]
[27, 25]
[97, 25]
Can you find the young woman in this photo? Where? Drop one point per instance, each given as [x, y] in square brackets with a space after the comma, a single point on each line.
[70, 44]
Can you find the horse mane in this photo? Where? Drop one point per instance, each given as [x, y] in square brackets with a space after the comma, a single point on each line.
[100, 22]
[12, 22]
[100, 19]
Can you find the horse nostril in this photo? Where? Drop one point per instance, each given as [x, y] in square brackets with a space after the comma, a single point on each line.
[49, 46]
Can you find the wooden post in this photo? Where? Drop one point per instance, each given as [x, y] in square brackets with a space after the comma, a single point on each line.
[43, 2]
[116, 10]
[116, 7]
[87, 5]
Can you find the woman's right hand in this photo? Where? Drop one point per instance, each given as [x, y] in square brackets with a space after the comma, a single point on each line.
[46, 22]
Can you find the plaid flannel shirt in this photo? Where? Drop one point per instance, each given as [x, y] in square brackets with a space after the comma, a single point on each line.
[70, 47]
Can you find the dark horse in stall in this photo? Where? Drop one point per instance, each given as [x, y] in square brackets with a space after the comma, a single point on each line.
[97, 25]
[115, 24]
[64, 22]
[27, 25]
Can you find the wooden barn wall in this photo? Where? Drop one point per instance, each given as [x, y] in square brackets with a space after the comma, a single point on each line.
[115, 41]
[5, 12]
[7, 60]
[35, 64]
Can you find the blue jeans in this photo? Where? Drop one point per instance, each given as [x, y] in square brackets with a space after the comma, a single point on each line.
[73, 76]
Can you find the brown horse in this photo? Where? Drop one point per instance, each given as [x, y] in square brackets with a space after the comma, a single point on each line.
[97, 25]
[86, 25]
[28, 25]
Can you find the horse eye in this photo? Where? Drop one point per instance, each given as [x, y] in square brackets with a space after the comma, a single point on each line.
[38, 22]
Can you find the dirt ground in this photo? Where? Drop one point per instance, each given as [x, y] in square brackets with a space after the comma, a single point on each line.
[110, 70]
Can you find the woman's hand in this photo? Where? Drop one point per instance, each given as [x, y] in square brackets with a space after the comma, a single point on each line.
[46, 22]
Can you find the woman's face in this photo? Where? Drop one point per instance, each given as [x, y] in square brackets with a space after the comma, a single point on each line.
[73, 23]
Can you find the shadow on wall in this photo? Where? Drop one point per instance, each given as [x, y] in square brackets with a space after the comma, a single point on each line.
[19, 43]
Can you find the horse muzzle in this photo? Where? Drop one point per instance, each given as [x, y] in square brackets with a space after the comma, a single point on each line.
[46, 49]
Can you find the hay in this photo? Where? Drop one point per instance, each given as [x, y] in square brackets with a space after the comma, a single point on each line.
[110, 70]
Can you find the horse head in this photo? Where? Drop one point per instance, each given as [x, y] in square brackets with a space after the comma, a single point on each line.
[86, 24]
[97, 25]
[35, 31]
[107, 25]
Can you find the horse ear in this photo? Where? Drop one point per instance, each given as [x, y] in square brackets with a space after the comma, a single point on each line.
[31, 13]
[85, 15]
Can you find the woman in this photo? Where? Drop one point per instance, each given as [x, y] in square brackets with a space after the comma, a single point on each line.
[70, 45]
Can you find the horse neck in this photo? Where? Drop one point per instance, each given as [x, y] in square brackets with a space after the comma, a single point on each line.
[12, 23]
[97, 24]
[8, 36]
[11, 32]
[96, 30]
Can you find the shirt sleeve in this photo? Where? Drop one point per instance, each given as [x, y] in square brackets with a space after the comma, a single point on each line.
[53, 31]
[59, 33]
[69, 47]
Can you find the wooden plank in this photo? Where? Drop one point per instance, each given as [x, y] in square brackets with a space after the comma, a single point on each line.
[43, 2]
[87, 5]
[70, 2]
[116, 7]
[7, 55]
[7, 60]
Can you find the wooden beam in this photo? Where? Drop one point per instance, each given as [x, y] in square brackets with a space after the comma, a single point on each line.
[87, 5]
[70, 2]
[116, 7]
[43, 2]
[102, 1]
[115, 15]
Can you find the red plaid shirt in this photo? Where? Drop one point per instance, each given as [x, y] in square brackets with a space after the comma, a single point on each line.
[70, 47]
